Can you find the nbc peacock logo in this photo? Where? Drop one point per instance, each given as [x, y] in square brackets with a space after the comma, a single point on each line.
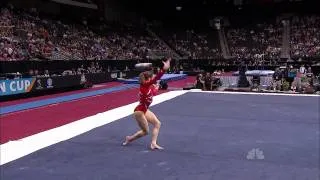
[255, 153]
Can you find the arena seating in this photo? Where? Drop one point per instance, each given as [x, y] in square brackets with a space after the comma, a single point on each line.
[263, 39]
[27, 35]
[194, 44]
[305, 36]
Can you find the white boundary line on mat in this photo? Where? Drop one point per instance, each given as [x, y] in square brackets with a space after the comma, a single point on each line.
[254, 93]
[14, 150]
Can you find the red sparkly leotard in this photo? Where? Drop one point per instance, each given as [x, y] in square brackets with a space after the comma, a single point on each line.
[146, 93]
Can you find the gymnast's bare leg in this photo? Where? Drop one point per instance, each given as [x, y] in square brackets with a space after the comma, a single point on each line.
[144, 127]
[152, 118]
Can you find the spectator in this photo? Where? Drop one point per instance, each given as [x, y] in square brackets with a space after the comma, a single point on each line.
[277, 79]
[199, 83]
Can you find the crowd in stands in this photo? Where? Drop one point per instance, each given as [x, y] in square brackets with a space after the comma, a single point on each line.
[27, 35]
[259, 41]
[192, 44]
[305, 36]
[11, 47]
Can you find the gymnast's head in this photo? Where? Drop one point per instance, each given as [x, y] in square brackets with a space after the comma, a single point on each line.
[146, 75]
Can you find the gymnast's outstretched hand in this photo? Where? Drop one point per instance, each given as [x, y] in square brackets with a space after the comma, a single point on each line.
[166, 64]
[156, 86]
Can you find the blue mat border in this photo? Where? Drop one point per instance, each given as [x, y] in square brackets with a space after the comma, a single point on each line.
[45, 102]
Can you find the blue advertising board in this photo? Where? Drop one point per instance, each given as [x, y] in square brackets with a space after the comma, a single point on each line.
[16, 86]
[13, 87]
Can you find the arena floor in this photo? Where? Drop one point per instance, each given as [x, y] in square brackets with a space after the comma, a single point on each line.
[206, 135]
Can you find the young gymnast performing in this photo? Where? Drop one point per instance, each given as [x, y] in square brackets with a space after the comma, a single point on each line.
[142, 114]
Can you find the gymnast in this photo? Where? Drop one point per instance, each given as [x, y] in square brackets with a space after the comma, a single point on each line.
[142, 113]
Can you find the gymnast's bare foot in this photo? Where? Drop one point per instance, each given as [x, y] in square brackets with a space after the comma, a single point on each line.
[155, 146]
[127, 141]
